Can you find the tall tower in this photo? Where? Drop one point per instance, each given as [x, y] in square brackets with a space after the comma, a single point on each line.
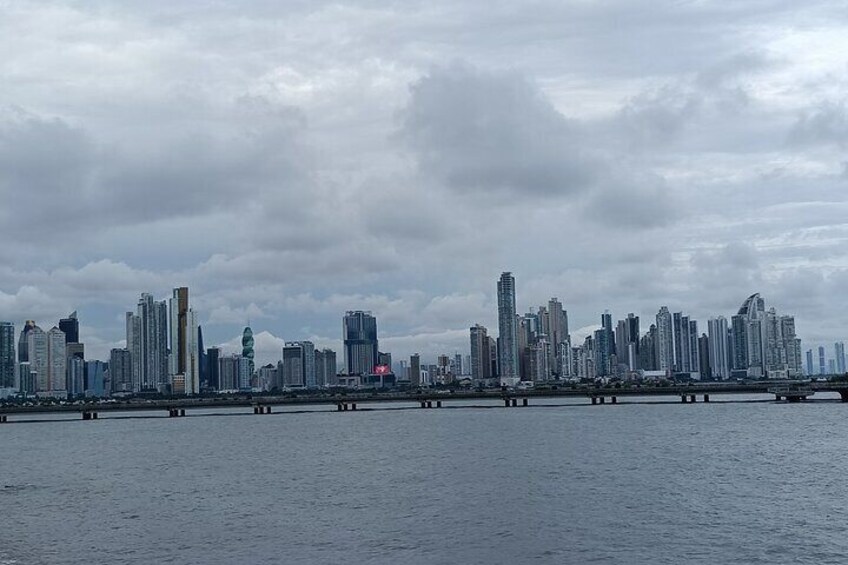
[70, 326]
[147, 342]
[719, 355]
[7, 355]
[665, 341]
[23, 343]
[481, 367]
[185, 355]
[507, 330]
[247, 347]
[359, 332]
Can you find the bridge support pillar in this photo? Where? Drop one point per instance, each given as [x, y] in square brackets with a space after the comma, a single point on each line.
[429, 404]
[614, 400]
[506, 402]
[602, 399]
[86, 416]
[344, 406]
[338, 406]
[692, 398]
[267, 409]
[423, 404]
[594, 400]
[353, 406]
[525, 402]
[683, 398]
[438, 404]
[182, 412]
[515, 402]
[3, 419]
[706, 398]
[844, 395]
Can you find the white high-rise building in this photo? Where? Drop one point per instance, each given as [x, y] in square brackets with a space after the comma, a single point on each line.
[147, 342]
[38, 358]
[719, 355]
[57, 363]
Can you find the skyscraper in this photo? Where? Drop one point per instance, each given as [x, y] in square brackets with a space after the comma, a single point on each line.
[120, 370]
[507, 330]
[822, 363]
[147, 342]
[359, 332]
[298, 364]
[38, 358]
[665, 341]
[839, 350]
[325, 367]
[212, 368]
[481, 367]
[415, 370]
[719, 357]
[247, 346]
[70, 326]
[184, 358]
[7, 355]
[23, 343]
[810, 370]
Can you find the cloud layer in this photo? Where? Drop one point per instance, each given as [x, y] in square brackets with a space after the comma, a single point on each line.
[290, 161]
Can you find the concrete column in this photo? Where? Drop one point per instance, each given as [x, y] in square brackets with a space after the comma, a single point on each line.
[182, 412]
[602, 399]
[267, 409]
[594, 401]
[338, 406]
[683, 398]
[706, 398]
[438, 404]
[515, 402]
[525, 402]
[353, 406]
[614, 400]
[506, 402]
[423, 404]
[692, 398]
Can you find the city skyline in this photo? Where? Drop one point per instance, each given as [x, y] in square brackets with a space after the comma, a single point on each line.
[678, 351]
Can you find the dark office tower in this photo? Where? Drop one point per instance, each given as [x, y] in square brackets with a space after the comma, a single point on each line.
[213, 380]
[201, 354]
[822, 364]
[507, 330]
[704, 357]
[7, 355]
[359, 332]
[70, 326]
[810, 371]
[23, 343]
[415, 370]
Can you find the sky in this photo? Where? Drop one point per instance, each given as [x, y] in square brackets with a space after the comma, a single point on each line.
[289, 161]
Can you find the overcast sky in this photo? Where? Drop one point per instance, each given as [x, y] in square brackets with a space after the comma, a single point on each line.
[292, 160]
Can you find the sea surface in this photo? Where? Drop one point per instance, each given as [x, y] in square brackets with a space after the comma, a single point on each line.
[723, 483]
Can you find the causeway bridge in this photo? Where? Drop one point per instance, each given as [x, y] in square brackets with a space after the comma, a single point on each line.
[356, 400]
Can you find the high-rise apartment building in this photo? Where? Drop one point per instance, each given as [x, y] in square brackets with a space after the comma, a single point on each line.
[719, 355]
[147, 342]
[665, 341]
[359, 333]
[507, 330]
[481, 365]
[185, 355]
[839, 357]
[120, 370]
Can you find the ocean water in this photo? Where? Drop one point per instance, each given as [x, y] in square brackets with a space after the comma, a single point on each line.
[724, 482]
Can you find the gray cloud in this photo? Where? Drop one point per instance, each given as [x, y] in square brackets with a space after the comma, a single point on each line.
[320, 156]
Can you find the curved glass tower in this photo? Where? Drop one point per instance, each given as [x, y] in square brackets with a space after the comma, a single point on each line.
[247, 346]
